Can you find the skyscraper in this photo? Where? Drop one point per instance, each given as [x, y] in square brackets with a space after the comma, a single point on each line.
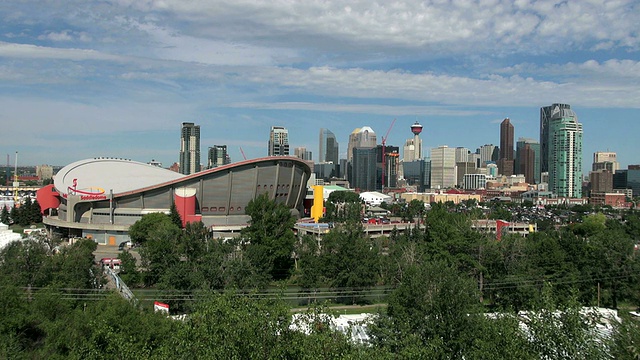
[545, 118]
[505, 162]
[443, 167]
[363, 137]
[329, 147]
[190, 148]
[218, 156]
[364, 170]
[360, 138]
[564, 151]
[486, 154]
[302, 153]
[605, 160]
[278, 141]
[524, 164]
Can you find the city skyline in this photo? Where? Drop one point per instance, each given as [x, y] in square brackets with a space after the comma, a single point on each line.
[86, 79]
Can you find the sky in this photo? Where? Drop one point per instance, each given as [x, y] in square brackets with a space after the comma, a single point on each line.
[82, 79]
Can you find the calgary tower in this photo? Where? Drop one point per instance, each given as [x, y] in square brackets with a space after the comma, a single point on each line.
[416, 129]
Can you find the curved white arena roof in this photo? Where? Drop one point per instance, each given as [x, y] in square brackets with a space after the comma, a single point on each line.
[102, 175]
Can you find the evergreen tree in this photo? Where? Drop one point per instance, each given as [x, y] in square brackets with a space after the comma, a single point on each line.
[4, 216]
[175, 216]
[14, 215]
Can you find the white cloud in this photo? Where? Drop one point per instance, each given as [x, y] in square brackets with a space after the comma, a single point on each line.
[359, 108]
[449, 26]
[27, 51]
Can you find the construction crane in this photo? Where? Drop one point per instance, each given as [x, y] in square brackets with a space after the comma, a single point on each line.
[242, 152]
[384, 152]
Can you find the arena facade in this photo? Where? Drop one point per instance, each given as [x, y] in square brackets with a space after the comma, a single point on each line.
[100, 198]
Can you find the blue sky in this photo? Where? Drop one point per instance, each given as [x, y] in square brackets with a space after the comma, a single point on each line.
[82, 78]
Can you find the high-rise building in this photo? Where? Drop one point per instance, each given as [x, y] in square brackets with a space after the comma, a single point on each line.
[329, 148]
[412, 150]
[418, 173]
[363, 137]
[605, 160]
[545, 117]
[601, 181]
[443, 167]
[278, 141]
[360, 138]
[364, 170]
[190, 148]
[462, 154]
[524, 164]
[505, 162]
[464, 168]
[564, 151]
[486, 154]
[391, 153]
[302, 153]
[218, 156]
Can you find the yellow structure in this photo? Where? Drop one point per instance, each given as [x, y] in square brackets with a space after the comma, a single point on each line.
[317, 209]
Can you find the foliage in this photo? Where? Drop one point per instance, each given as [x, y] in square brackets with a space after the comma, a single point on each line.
[175, 216]
[343, 206]
[142, 229]
[269, 238]
[4, 216]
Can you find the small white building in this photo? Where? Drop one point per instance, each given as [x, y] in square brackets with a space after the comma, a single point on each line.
[7, 236]
[374, 198]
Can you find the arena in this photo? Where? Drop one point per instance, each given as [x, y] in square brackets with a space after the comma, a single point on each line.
[100, 198]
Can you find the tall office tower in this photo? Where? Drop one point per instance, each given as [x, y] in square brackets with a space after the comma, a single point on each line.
[218, 156]
[523, 164]
[605, 160]
[329, 148]
[505, 162]
[364, 171]
[363, 137]
[463, 168]
[462, 154]
[190, 148]
[443, 167]
[486, 154]
[302, 153]
[601, 181]
[278, 141]
[545, 117]
[412, 150]
[360, 138]
[527, 163]
[392, 153]
[564, 149]
[418, 173]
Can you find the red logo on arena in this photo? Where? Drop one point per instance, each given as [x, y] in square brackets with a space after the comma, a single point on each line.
[90, 193]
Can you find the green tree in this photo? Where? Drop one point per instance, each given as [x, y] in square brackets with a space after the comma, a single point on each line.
[434, 312]
[4, 216]
[128, 269]
[269, 238]
[175, 216]
[141, 230]
[160, 250]
[15, 215]
[35, 215]
[344, 206]
[562, 332]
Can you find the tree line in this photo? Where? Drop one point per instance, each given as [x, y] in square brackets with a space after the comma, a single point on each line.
[447, 280]
[24, 215]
